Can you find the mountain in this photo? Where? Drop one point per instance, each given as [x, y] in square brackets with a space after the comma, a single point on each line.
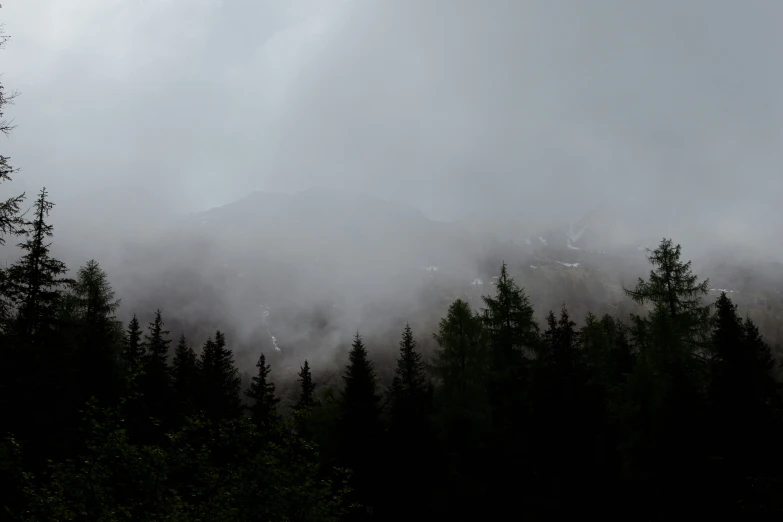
[294, 274]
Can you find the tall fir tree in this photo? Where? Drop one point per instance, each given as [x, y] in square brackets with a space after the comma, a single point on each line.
[306, 399]
[508, 319]
[263, 411]
[133, 349]
[186, 378]
[38, 369]
[411, 390]
[359, 420]
[11, 222]
[220, 382]
[99, 333]
[674, 290]
[157, 386]
[411, 442]
[665, 411]
[34, 285]
[745, 408]
[512, 334]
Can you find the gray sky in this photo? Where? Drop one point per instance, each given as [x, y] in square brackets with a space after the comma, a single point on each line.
[523, 107]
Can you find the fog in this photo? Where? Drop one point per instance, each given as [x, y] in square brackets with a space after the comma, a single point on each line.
[506, 117]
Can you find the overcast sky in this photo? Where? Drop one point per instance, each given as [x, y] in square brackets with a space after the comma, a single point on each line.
[458, 107]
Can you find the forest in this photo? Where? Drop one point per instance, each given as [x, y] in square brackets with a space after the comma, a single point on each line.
[669, 412]
[673, 412]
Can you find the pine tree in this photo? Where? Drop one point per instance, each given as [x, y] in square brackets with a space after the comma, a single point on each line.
[99, 332]
[133, 349]
[307, 389]
[157, 386]
[263, 412]
[411, 441]
[745, 404]
[34, 285]
[512, 336]
[411, 390]
[461, 368]
[220, 382]
[186, 378]
[508, 319]
[36, 363]
[560, 342]
[664, 399]
[11, 222]
[359, 420]
[157, 345]
[673, 289]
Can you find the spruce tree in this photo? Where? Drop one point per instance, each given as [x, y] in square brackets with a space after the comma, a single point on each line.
[513, 335]
[508, 319]
[220, 382]
[745, 404]
[11, 222]
[37, 360]
[410, 394]
[306, 389]
[263, 411]
[186, 377]
[673, 289]
[34, 285]
[665, 404]
[461, 368]
[99, 332]
[359, 419]
[411, 441]
[461, 363]
[133, 349]
[157, 386]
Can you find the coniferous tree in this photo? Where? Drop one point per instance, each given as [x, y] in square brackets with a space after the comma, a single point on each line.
[157, 386]
[306, 389]
[745, 406]
[461, 364]
[359, 421]
[560, 409]
[38, 370]
[411, 442]
[461, 367]
[411, 390]
[34, 285]
[665, 403]
[186, 378]
[11, 222]
[674, 290]
[133, 349]
[99, 332]
[306, 403]
[220, 382]
[508, 319]
[512, 334]
[263, 411]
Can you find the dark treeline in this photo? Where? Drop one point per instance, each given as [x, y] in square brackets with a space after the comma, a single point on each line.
[673, 412]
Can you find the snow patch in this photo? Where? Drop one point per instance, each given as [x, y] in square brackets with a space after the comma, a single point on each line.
[575, 236]
[533, 266]
[542, 240]
[477, 281]
[572, 265]
[431, 269]
[722, 290]
[572, 247]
